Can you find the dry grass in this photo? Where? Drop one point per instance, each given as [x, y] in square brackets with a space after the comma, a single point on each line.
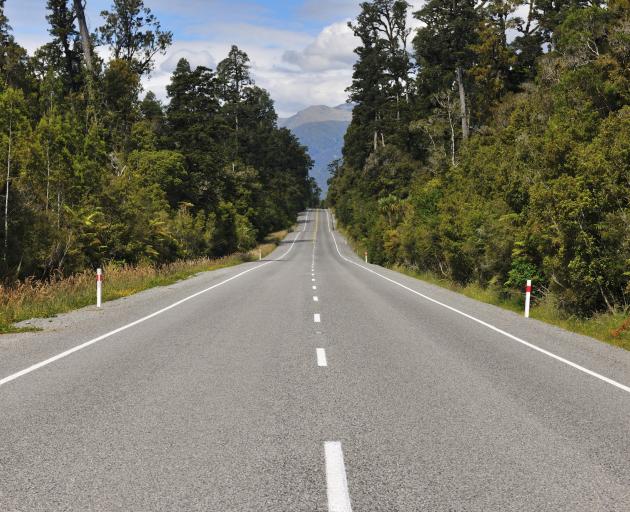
[611, 327]
[43, 299]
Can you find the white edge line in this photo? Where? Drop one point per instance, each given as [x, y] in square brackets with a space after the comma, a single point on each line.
[72, 350]
[336, 480]
[321, 357]
[603, 378]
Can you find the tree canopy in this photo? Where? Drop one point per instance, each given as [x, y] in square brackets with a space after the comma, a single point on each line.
[511, 159]
[95, 169]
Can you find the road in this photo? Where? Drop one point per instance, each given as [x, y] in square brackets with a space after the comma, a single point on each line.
[311, 381]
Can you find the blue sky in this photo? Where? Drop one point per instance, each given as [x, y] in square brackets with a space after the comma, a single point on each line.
[301, 50]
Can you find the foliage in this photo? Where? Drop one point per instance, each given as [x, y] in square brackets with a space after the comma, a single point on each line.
[540, 189]
[93, 173]
[38, 299]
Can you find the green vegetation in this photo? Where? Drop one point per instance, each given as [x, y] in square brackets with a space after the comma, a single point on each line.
[610, 327]
[94, 173]
[44, 299]
[498, 151]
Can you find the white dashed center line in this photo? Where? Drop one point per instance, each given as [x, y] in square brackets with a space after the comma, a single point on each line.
[314, 287]
[336, 480]
[321, 357]
[316, 318]
[315, 298]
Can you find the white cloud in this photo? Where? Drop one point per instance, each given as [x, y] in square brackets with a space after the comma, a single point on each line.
[297, 67]
[296, 91]
[333, 48]
[322, 77]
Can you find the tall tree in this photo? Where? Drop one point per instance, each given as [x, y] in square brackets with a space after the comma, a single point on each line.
[443, 48]
[144, 183]
[63, 47]
[381, 77]
[194, 128]
[14, 128]
[133, 34]
[233, 80]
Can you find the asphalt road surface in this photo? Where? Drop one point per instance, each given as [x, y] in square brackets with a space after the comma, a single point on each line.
[311, 381]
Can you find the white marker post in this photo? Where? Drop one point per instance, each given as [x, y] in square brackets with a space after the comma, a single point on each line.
[366, 256]
[260, 254]
[99, 287]
[528, 295]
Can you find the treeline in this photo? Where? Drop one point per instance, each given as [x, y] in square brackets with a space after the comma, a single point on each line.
[492, 145]
[93, 171]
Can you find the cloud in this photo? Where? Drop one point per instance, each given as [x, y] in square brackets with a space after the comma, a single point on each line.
[301, 51]
[324, 72]
[327, 10]
[196, 58]
[293, 92]
[332, 49]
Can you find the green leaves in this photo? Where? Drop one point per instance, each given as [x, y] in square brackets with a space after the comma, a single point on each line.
[541, 190]
[133, 34]
[94, 175]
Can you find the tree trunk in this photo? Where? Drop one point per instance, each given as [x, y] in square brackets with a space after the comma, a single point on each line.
[58, 208]
[450, 122]
[47, 175]
[86, 43]
[6, 197]
[462, 104]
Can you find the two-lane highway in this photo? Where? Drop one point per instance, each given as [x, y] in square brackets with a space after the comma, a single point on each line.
[311, 381]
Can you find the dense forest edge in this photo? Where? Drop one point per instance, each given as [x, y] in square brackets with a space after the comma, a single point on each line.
[25, 304]
[96, 172]
[492, 146]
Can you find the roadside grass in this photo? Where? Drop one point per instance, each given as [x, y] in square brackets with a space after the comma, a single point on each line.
[44, 299]
[610, 327]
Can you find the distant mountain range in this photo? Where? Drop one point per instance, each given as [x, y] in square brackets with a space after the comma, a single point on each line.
[321, 129]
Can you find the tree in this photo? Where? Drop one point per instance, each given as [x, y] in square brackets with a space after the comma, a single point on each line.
[233, 80]
[15, 131]
[443, 48]
[86, 40]
[63, 52]
[133, 34]
[120, 86]
[233, 76]
[94, 174]
[14, 66]
[194, 128]
[540, 189]
[381, 78]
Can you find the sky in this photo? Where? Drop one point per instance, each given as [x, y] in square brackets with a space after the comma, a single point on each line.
[301, 50]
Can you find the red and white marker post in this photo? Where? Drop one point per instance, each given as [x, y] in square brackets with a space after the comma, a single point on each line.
[528, 296]
[366, 256]
[99, 287]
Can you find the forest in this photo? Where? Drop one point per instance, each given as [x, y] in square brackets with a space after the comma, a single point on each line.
[96, 170]
[492, 145]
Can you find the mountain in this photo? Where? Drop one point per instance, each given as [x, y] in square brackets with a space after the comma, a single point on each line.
[321, 129]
